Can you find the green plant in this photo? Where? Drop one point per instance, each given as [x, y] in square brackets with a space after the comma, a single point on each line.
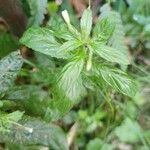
[76, 79]
[137, 22]
[89, 56]
[17, 123]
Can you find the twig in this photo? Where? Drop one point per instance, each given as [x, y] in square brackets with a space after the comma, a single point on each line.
[72, 134]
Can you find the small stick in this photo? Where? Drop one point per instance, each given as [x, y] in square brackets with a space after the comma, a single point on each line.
[72, 134]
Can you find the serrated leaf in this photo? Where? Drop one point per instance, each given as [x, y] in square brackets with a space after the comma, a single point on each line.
[103, 30]
[118, 36]
[86, 22]
[118, 80]
[9, 67]
[59, 28]
[37, 11]
[41, 40]
[43, 134]
[111, 54]
[70, 81]
[69, 46]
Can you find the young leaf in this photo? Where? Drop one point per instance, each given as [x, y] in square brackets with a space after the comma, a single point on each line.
[38, 9]
[111, 54]
[9, 67]
[103, 30]
[69, 46]
[41, 40]
[59, 28]
[118, 37]
[118, 80]
[86, 22]
[71, 28]
[70, 81]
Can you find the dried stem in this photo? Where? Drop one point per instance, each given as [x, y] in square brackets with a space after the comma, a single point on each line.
[72, 134]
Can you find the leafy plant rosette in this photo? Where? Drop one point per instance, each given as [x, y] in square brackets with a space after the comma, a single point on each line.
[90, 60]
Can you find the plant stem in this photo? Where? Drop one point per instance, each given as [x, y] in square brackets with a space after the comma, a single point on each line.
[90, 4]
[89, 61]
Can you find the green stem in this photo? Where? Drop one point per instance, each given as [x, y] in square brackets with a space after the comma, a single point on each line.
[89, 61]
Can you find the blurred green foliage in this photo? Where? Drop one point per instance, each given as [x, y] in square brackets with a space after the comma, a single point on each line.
[54, 89]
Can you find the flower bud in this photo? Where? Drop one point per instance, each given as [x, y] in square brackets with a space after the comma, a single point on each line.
[66, 16]
[89, 65]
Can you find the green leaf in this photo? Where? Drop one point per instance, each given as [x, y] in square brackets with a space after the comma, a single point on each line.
[59, 28]
[86, 22]
[118, 36]
[8, 43]
[26, 92]
[43, 134]
[15, 116]
[140, 19]
[45, 62]
[118, 80]
[58, 107]
[111, 54]
[30, 97]
[37, 11]
[98, 144]
[103, 30]
[129, 131]
[70, 81]
[41, 40]
[7, 120]
[69, 46]
[9, 67]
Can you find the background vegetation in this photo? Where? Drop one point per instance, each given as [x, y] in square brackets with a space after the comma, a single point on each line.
[76, 80]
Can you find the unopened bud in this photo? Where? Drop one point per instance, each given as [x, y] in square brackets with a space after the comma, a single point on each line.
[89, 65]
[66, 16]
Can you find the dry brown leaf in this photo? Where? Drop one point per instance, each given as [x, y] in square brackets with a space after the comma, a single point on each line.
[3, 25]
[11, 11]
[79, 6]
